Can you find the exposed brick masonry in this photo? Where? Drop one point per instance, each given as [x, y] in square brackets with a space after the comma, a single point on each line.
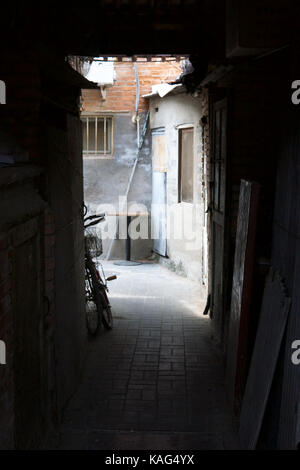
[122, 95]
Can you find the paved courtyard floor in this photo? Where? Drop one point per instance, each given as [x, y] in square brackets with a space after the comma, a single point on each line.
[156, 381]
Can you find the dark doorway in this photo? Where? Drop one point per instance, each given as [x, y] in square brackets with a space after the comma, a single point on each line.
[218, 171]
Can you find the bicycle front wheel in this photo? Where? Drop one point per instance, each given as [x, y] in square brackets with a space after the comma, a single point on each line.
[106, 314]
[107, 318]
[92, 318]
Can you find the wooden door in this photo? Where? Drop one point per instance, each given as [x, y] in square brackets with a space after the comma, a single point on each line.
[218, 172]
[159, 192]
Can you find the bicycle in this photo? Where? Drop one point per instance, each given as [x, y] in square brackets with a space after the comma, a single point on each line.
[98, 309]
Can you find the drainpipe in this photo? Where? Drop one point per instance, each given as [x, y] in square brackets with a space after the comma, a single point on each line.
[137, 99]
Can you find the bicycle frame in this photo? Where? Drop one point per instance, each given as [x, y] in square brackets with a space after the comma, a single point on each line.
[89, 221]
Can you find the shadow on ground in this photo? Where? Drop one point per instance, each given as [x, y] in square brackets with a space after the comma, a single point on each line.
[156, 380]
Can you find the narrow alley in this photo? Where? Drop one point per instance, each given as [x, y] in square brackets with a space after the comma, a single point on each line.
[155, 380]
[163, 134]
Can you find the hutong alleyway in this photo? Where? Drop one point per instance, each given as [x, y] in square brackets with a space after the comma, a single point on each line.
[156, 380]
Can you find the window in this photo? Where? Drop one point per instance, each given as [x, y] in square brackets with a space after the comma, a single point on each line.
[186, 165]
[97, 135]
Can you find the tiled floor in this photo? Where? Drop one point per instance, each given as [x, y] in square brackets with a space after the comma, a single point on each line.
[156, 380]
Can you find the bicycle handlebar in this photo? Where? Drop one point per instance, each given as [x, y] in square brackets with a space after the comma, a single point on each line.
[95, 216]
[95, 219]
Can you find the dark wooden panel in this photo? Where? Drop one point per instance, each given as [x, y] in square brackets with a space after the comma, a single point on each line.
[274, 312]
[241, 291]
[217, 245]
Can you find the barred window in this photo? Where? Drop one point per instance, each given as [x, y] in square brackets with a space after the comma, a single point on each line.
[97, 135]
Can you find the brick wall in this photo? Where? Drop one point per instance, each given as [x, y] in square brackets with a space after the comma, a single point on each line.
[49, 322]
[29, 92]
[19, 69]
[22, 308]
[122, 95]
[64, 254]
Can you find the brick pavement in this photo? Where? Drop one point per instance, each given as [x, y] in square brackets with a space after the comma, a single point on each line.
[156, 380]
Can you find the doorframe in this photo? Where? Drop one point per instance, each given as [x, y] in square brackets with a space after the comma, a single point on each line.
[219, 96]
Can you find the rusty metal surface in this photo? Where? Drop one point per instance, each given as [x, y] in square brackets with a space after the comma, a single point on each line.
[241, 291]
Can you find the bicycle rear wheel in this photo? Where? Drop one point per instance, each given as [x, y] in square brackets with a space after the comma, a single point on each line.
[93, 303]
[106, 314]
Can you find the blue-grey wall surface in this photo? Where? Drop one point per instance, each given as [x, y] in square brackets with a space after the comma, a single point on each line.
[106, 179]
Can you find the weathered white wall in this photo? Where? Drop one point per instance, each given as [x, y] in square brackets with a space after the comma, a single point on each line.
[170, 112]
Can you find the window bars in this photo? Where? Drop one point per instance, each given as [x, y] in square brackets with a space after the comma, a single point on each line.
[97, 136]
